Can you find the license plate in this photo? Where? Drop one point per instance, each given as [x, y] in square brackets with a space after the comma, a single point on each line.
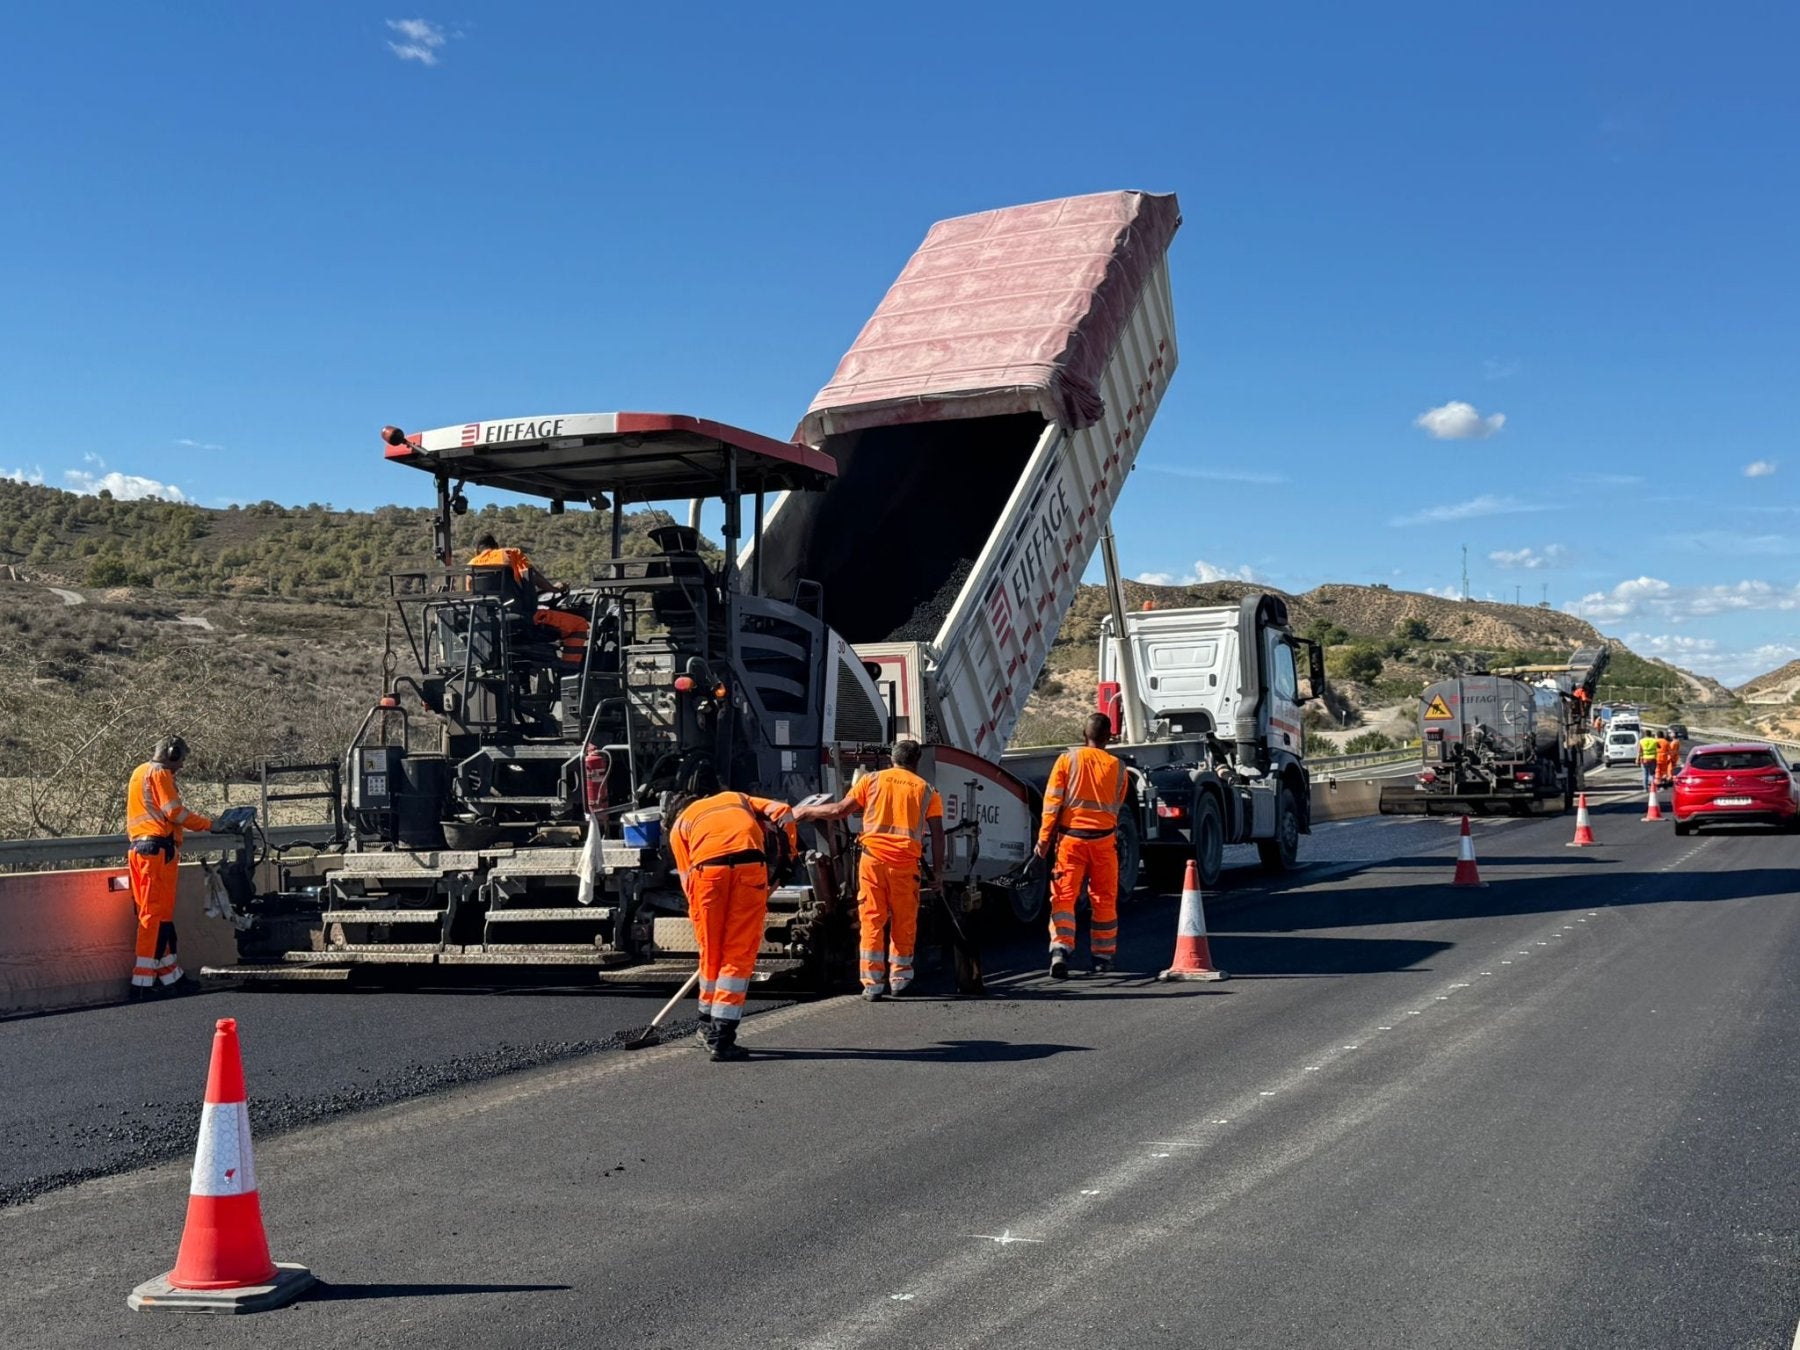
[1731, 801]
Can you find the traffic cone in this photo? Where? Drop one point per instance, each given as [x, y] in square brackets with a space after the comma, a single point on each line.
[1584, 833]
[1193, 955]
[1466, 875]
[223, 1264]
[1655, 811]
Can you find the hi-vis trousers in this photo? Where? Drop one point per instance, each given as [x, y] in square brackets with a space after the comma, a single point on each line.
[888, 896]
[728, 905]
[153, 877]
[1096, 863]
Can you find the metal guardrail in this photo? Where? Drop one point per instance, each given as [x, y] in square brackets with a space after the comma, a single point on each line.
[1724, 737]
[110, 848]
[1331, 763]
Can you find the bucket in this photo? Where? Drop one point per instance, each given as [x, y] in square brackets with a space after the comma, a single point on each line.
[643, 829]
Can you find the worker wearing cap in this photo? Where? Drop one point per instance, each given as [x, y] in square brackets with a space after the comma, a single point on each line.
[155, 821]
[721, 853]
[1647, 744]
[898, 808]
[1081, 817]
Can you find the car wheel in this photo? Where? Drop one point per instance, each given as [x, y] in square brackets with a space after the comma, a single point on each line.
[1683, 827]
[1791, 825]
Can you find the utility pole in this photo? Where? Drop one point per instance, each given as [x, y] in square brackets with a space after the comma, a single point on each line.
[1545, 602]
[1465, 572]
[1516, 594]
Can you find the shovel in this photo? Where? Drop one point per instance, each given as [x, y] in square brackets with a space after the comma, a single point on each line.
[643, 1039]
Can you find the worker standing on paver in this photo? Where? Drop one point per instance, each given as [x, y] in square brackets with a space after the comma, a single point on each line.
[155, 822]
[898, 808]
[1081, 815]
[722, 849]
[569, 631]
[1647, 744]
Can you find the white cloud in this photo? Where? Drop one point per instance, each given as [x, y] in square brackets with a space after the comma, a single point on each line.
[31, 477]
[1458, 421]
[197, 445]
[421, 42]
[127, 487]
[1221, 475]
[1760, 468]
[1669, 644]
[1529, 559]
[1444, 592]
[1500, 368]
[1474, 508]
[1609, 479]
[1704, 656]
[1202, 573]
[1650, 596]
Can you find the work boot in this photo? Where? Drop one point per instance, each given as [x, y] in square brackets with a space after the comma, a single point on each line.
[138, 993]
[725, 1047]
[187, 984]
[1059, 964]
[1102, 965]
[706, 1033]
[895, 990]
[872, 993]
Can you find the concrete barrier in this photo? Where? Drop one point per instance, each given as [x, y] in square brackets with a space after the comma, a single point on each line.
[67, 938]
[1350, 798]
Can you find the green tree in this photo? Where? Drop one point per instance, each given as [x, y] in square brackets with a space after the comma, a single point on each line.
[1412, 630]
[1360, 661]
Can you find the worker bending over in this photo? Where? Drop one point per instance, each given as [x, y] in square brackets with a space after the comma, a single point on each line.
[722, 853]
[1081, 815]
[155, 822]
[897, 807]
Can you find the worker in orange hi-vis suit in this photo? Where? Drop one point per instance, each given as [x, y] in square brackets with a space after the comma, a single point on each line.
[155, 821]
[898, 808]
[1668, 751]
[569, 631]
[1081, 815]
[721, 849]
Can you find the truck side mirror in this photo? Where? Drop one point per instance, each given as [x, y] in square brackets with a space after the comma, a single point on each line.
[1312, 684]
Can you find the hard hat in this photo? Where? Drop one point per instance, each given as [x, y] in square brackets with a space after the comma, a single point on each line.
[170, 750]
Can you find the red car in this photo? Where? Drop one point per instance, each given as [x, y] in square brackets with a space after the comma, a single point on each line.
[1723, 783]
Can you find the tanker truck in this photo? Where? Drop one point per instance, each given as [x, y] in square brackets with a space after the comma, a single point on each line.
[1513, 741]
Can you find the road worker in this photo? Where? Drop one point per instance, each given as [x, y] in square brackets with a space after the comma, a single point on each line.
[1667, 751]
[1081, 815]
[568, 630]
[1647, 744]
[720, 842]
[155, 822]
[898, 808]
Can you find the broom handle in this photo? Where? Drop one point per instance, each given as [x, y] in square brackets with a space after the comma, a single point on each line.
[680, 994]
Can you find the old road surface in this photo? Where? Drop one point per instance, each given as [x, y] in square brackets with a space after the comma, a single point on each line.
[1559, 1111]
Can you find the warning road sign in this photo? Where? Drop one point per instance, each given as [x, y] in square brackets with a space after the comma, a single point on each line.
[1438, 710]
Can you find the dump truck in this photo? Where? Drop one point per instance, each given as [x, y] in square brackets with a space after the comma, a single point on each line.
[909, 556]
[1512, 741]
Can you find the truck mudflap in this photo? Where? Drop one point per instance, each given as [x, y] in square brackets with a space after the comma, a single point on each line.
[1401, 800]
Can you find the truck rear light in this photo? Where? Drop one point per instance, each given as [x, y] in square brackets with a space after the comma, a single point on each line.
[1428, 776]
[1170, 811]
[1523, 776]
[595, 765]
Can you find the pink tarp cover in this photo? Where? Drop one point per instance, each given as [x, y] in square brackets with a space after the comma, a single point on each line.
[1006, 311]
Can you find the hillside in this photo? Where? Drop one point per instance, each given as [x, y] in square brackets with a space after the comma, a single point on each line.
[1778, 686]
[256, 631]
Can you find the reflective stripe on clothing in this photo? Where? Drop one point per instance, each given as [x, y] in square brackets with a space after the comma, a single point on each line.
[153, 806]
[728, 906]
[1086, 791]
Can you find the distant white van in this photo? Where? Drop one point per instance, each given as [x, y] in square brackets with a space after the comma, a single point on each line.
[1621, 744]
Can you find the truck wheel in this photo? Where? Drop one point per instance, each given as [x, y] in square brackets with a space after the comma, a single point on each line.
[1130, 855]
[1209, 841]
[1283, 851]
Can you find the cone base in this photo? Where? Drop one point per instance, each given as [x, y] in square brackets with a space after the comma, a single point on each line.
[159, 1295]
[1580, 843]
[1193, 975]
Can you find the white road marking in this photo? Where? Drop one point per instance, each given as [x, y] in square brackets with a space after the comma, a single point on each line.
[902, 1298]
[1004, 1237]
[1090, 1192]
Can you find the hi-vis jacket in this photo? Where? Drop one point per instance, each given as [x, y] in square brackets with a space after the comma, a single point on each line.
[895, 805]
[728, 827]
[153, 806]
[1647, 750]
[513, 559]
[1086, 791]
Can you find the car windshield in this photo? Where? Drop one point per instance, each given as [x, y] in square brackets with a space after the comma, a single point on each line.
[1734, 759]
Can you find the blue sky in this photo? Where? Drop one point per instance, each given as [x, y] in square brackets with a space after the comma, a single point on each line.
[1522, 279]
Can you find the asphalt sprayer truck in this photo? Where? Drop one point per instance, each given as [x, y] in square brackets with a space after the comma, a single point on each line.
[909, 558]
[1510, 742]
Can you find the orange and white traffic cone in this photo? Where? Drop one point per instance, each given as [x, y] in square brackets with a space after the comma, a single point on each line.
[1655, 810]
[1466, 873]
[1193, 954]
[223, 1264]
[1584, 833]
